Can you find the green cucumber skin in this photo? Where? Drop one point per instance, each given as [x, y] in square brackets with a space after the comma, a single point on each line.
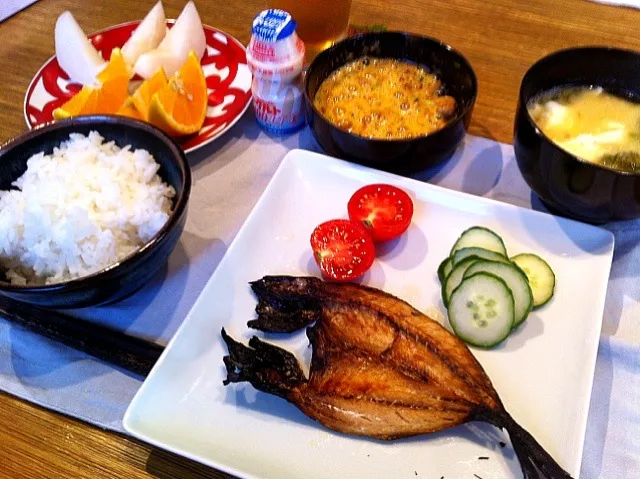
[480, 253]
[531, 307]
[443, 291]
[447, 269]
[466, 232]
[442, 269]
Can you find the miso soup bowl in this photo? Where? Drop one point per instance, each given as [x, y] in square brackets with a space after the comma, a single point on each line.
[567, 184]
[402, 156]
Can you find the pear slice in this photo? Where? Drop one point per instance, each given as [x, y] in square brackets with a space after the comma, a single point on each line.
[186, 35]
[147, 36]
[75, 53]
[149, 63]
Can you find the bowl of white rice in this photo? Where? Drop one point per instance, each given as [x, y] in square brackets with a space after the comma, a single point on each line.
[90, 209]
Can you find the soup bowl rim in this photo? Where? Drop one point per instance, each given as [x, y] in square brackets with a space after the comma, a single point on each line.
[450, 123]
[524, 104]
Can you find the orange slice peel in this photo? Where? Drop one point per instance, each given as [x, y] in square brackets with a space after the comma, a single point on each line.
[107, 97]
[144, 93]
[176, 105]
[180, 107]
[129, 109]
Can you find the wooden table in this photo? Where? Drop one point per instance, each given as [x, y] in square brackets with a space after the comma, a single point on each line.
[501, 38]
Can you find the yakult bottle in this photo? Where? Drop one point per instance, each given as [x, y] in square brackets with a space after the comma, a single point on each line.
[275, 57]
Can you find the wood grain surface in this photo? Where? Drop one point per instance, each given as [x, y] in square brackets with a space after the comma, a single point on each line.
[501, 38]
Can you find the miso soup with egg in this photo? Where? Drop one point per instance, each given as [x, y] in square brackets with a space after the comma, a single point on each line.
[592, 124]
[385, 98]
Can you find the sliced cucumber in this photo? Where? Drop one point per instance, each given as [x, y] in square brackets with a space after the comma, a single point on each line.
[479, 237]
[516, 282]
[481, 310]
[444, 269]
[479, 253]
[540, 275]
[455, 278]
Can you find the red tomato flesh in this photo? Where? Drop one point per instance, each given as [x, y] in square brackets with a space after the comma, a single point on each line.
[342, 249]
[385, 211]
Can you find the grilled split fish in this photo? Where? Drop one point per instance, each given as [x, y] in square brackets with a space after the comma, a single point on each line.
[379, 368]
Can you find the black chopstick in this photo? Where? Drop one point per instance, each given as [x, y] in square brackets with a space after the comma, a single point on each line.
[133, 354]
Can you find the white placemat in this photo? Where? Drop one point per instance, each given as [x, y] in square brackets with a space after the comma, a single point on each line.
[229, 176]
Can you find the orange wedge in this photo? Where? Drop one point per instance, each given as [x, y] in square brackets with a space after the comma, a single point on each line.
[180, 107]
[105, 98]
[143, 95]
[129, 109]
[73, 106]
[115, 69]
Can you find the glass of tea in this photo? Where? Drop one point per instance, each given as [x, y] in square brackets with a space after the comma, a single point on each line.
[321, 23]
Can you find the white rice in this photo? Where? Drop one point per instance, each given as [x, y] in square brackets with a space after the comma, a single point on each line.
[77, 211]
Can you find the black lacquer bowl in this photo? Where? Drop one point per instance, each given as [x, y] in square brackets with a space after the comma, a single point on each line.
[403, 156]
[567, 184]
[124, 278]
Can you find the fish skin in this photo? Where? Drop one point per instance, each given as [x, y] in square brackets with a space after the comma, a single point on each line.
[379, 368]
[350, 310]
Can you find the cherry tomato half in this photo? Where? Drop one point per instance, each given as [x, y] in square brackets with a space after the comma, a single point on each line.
[343, 249]
[384, 210]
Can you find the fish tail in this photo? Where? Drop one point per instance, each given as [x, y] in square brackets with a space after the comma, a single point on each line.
[536, 463]
[267, 367]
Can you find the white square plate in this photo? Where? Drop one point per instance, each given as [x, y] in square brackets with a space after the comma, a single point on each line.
[543, 372]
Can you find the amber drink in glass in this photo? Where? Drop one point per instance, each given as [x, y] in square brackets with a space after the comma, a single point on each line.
[321, 23]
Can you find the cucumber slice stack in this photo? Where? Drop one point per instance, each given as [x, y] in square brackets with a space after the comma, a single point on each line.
[488, 294]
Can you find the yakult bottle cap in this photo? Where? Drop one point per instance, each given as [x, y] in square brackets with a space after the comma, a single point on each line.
[273, 25]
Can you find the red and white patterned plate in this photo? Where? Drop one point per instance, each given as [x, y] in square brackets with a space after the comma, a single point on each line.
[224, 64]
